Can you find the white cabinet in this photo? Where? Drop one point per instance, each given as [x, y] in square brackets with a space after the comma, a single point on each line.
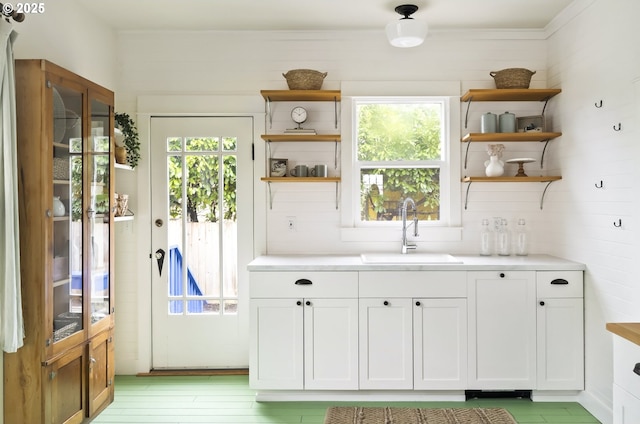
[502, 330]
[304, 330]
[560, 330]
[413, 330]
[626, 378]
[386, 344]
[440, 344]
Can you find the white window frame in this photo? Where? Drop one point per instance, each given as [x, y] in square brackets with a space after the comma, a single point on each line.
[448, 228]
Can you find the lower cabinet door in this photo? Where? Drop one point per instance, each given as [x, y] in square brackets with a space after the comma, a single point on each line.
[101, 371]
[66, 395]
[626, 407]
[331, 344]
[560, 344]
[502, 330]
[276, 344]
[439, 344]
[386, 344]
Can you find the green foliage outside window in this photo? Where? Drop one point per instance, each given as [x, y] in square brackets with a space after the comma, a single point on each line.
[392, 140]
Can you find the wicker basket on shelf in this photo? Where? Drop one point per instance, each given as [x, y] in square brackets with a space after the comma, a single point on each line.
[304, 79]
[512, 78]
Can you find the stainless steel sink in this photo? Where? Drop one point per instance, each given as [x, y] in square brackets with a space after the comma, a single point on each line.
[409, 258]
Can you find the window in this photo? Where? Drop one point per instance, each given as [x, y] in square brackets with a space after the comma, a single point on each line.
[401, 150]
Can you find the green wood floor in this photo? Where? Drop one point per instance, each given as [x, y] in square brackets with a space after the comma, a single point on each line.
[228, 399]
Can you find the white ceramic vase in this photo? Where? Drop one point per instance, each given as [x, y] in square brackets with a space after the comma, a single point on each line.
[494, 167]
[58, 206]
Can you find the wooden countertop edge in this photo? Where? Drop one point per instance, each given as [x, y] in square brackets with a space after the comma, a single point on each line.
[627, 330]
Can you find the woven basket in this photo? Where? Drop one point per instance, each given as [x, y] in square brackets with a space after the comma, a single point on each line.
[60, 169]
[304, 79]
[512, 78]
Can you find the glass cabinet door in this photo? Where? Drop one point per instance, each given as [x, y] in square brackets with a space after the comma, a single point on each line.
[99, 210]
[67, 207]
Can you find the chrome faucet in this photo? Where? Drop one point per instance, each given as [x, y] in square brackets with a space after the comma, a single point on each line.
[405, 244]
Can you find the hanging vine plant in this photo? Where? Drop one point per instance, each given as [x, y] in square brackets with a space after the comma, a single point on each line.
[130, 133]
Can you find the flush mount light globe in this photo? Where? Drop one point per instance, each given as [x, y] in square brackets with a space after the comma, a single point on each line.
[406, 32]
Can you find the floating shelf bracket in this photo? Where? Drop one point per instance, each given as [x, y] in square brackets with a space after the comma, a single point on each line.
[270, 195]
[466, 196]
[335, 155]
[466, 116]
[267, 105]
[466, 154]
[544, 149]
[337, 196]
[543, 193]
[335, 110]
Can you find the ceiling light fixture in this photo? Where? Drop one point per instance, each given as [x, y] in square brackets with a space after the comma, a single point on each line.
[406, 32]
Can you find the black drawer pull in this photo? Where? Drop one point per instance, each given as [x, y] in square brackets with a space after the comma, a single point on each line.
[303, 282]
[560, 281]
[636, 369]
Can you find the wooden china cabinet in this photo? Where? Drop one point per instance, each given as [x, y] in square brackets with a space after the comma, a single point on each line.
[64, 372]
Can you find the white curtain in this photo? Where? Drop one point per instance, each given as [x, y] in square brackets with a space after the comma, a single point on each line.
[11, 324]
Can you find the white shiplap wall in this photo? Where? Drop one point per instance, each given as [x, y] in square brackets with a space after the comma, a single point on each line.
[594, 58]
[591, 56]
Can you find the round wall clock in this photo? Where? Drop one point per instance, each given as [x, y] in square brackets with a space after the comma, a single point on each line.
[299, 115]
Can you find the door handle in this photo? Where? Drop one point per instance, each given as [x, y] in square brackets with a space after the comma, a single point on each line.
[160, 253]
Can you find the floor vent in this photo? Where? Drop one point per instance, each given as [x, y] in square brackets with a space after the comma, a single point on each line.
[494, 394]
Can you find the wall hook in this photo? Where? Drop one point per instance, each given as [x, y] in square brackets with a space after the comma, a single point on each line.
[618, 224]
[599, 104]
[618, 127]
[599, 186]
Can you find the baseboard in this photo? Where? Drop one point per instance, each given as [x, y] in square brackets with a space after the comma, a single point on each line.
[596, 407]
[153, 373]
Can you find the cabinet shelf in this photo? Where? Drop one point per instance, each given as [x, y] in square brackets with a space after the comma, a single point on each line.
[541, 179]
[122, 166]
[301, 137]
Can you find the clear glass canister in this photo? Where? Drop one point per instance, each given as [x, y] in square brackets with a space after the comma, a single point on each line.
[485, 239]
[521, 239]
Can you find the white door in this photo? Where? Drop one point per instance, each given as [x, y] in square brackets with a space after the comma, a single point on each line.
[386, 344]
[439, 344]
[202, 239]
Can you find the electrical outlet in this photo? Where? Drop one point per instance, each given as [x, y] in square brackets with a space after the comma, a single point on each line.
[291, 223]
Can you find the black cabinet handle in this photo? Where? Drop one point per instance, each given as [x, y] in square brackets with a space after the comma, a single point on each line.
[502, 275]
[299, 303]
[560, 281]
[542, 303]
[303, 282]
[385, 303]
[636, 369]
[308, 303]
[418, 303]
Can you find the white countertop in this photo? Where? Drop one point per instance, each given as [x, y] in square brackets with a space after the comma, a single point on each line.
[354, 263]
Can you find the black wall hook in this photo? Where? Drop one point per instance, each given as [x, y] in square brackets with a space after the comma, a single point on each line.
[599, 105]
[599, 186]
[618, 127]
[618, 224]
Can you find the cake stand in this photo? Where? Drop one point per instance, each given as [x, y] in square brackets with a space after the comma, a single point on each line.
[521, 162]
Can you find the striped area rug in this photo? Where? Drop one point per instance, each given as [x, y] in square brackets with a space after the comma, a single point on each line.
[395, 415]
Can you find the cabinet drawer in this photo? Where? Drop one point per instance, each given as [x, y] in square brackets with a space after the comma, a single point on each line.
[559, 284]
[309, 284]
[626, 357]
[413, 284]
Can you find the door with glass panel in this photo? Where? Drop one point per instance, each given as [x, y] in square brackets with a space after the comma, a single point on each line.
[202, 240]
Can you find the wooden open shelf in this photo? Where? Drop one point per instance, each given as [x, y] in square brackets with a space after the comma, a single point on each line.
[301, 137]
[300, 95]
[510, 94]
[541, 179]
[509, 137]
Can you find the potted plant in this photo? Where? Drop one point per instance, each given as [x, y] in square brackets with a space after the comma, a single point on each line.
[127, 140]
